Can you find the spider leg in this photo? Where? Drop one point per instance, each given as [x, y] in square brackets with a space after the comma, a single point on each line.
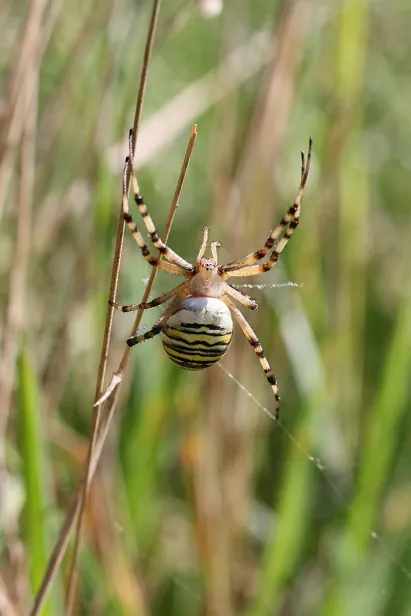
[246, 301]
[203, 245]
[157, 327]
[214, 246]
[169, 254]
[154, 302]
[255, 343]
[154, 261]
[291, 218]
[254, 270]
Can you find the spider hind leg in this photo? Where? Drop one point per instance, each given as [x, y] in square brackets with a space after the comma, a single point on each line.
[259, 351]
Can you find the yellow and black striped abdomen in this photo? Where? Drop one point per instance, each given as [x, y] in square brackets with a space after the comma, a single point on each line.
[199, 333]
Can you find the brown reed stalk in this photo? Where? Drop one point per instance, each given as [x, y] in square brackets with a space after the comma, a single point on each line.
[109, 317]
[21, 89]
[97, 410]
[105, 418]
[78, 503]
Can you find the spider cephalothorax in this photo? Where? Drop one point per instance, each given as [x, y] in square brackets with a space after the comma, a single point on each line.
[207, 280]
[196, 328]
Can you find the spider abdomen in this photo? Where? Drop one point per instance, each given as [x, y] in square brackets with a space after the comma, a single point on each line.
[199, 333]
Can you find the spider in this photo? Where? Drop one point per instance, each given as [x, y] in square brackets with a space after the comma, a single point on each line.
[197, 326]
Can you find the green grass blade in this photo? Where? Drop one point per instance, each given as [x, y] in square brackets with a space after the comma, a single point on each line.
[32, 447]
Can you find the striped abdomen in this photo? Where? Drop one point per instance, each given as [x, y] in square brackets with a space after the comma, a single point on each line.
[199, 333]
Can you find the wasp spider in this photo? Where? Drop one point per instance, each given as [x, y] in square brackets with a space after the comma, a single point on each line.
[196, 328]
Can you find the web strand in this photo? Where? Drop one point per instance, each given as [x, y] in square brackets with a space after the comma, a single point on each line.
[342, 502]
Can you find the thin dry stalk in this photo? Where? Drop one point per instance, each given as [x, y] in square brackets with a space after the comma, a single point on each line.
[118, 374]
[78, 503]
[109, 317]
[21, 88]
[106, 417]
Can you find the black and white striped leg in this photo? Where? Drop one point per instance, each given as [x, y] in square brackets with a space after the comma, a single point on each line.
[181, 291]
[289, 219]
[154, 261]
[255, 270]
[156, 329]
[167, 253]
[255, 343]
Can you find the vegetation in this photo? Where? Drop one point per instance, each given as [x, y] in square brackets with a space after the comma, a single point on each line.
[202, 503]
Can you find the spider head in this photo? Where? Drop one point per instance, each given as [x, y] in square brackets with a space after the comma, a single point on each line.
[207, 280]
[207, 267]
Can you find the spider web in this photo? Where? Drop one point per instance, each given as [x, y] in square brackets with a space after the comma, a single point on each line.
[321, 467]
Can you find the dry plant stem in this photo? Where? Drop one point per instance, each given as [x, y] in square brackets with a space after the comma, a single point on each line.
[34, 40]
[71, 515]
[104, 421]
[17, 88]
[117, 376]
[109, 318]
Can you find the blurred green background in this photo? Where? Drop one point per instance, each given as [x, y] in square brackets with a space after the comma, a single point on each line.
[203, 505]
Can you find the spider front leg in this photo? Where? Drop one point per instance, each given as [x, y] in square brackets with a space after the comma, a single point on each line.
[255, 343]
[170, 268]
[181, 291]
[254, 270]
[243, 269]
[291, 219]
[169, 254]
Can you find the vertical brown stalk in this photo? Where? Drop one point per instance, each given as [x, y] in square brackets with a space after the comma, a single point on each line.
[109, 317]
[21, 90]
